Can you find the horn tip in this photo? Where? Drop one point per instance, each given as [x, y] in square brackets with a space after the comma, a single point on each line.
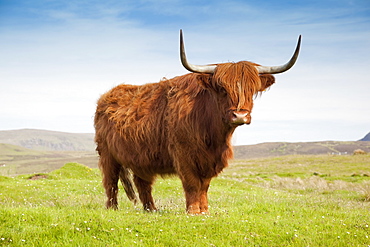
[181, 38]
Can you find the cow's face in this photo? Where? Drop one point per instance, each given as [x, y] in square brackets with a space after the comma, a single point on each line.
[240, 82]
[237, 84]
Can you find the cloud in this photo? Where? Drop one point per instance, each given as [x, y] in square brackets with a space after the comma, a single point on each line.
[58, 57]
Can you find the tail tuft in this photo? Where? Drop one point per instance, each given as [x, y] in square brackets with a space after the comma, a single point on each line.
[126, 180]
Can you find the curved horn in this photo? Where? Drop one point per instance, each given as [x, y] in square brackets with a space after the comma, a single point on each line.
[209, 69]
[281, 68]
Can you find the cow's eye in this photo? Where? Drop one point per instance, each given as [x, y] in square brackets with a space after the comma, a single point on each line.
[223, 91]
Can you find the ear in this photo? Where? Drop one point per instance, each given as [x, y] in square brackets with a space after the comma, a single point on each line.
[205, 80]
[266, 81]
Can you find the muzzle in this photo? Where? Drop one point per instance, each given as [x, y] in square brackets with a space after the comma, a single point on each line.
[240, 117]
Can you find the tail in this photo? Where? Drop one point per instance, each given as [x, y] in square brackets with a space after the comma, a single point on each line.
[126, 180]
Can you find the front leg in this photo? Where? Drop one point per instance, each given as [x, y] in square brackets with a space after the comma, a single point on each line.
[204, 195]
[192, 196]
[196, 194]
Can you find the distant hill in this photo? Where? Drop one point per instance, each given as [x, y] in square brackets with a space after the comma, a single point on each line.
[273, 149]
[15, 160]
[32, 151]
[48, 140]
[44, 140]
[366, 138]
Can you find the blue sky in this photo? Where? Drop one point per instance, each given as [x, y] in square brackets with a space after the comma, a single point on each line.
[57, 57]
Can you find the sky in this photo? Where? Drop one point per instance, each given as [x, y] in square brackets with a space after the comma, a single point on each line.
[58, 57]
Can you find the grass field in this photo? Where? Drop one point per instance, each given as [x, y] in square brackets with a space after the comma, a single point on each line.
[284, 201]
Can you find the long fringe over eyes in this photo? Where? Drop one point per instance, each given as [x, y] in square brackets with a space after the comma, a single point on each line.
[239, 80]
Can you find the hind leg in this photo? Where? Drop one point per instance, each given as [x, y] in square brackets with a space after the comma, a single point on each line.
[145, 193]
[110, 171]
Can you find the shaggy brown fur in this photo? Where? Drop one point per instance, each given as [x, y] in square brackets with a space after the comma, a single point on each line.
[179, 126]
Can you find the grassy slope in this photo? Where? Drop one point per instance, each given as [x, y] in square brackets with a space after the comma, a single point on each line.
[15, 160]
[287, 201]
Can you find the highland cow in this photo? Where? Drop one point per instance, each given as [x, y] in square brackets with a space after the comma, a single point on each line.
[179, 126]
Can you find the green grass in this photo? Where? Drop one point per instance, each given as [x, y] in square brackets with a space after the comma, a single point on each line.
[262, 202]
